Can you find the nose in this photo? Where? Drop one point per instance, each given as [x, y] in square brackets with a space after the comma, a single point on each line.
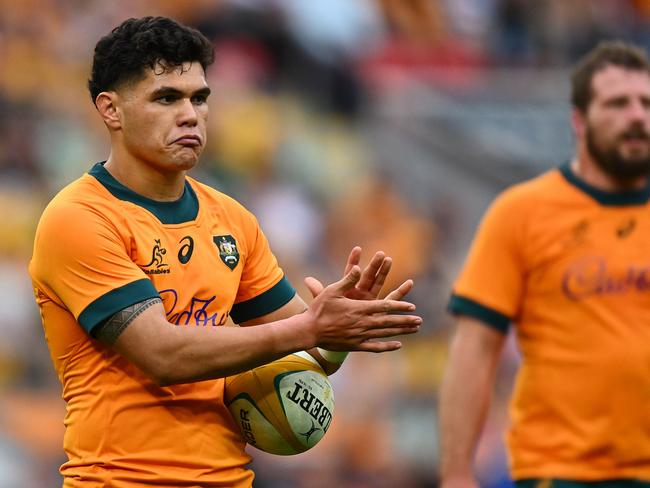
[187, 114]
[639, 111]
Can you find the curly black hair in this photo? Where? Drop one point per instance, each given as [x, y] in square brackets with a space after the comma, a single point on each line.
[137, 44]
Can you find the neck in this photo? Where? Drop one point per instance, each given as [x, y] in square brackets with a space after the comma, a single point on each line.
[584, 166]
[146, 180]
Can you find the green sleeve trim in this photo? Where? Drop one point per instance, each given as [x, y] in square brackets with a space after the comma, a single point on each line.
[459, 305]
[115, 300]
[269, 301]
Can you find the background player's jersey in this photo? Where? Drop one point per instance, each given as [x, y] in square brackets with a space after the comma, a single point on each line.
[99, 248]
[570, 265]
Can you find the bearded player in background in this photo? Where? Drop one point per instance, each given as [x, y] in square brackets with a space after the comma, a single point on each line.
[565, 257]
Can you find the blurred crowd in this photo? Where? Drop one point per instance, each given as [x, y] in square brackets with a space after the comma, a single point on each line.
[295, 87]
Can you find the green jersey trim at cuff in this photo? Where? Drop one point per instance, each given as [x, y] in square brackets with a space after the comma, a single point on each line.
[115, 300]
[269, 301]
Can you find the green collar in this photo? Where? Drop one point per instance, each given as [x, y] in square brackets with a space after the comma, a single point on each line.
[185, 209]
[607, 198]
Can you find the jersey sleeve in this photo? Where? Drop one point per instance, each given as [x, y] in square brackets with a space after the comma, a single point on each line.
[490, 284]
[81, 262]
[263, 287]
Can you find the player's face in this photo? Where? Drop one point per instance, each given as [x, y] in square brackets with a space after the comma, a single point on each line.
[164, 117]
[618, 123]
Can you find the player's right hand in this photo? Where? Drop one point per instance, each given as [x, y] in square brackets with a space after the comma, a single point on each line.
[343, 324]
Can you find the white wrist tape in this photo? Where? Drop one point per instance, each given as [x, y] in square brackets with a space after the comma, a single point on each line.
[335, 357]
[306, 355]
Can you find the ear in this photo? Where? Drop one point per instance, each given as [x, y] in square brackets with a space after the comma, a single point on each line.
[579, 123]
[107, 106]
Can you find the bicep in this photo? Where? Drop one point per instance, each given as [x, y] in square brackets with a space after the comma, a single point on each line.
[470, 369]
[140, 333]
[110, 331]
[476, 341]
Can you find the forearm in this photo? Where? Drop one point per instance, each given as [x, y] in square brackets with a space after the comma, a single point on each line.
[465, 395]
[177, 354]
[186, 354]
[464, 400]
[240, 350]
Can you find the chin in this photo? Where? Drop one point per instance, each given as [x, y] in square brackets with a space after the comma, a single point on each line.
[184, 167]
[183, 162]
[188, 163]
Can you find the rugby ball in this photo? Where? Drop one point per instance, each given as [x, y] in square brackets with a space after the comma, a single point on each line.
[284, 407]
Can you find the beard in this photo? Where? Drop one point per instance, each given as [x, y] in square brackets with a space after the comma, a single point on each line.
[625, 170]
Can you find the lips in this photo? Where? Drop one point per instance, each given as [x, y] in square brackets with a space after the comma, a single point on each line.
[636, 141]
[636, 133]
[188, 140]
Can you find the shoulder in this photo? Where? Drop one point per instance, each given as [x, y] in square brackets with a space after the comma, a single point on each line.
[512, 211]
[81, 204]
[76, 223]
[219, 201]
[522, 200]
[211, 194]
[530, 192]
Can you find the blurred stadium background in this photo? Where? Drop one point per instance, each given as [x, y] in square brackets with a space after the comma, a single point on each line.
[385, 123]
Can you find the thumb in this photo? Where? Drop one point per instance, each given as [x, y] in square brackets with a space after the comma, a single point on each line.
[349, 281]
[314, 286]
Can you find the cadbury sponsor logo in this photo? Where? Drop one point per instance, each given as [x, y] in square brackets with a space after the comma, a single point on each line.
[591, 276]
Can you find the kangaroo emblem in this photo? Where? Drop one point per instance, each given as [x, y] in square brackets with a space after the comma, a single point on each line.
[157, 254]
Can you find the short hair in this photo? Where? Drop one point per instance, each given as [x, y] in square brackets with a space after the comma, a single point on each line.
[129, 49]
[606, 53]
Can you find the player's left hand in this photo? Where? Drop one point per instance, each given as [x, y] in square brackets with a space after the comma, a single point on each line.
[372, 279]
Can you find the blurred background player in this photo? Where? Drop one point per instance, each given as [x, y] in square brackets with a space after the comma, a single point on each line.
[137, 268]
[564, 257]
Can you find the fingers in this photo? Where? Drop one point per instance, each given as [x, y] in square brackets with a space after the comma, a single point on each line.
[374, 344]
[373, 275]
[314, 286]
[353, 259]
[401, 291]
[384, 306]
[378, 346]
[353, 325]
[390, 325]
[381, 275]
[348, 282]
[391, 332]
[369, 275]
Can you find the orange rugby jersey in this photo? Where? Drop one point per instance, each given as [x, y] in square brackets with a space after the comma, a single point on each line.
[99, 248]
[570, 266]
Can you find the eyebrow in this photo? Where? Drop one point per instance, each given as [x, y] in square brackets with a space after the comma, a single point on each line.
[171, 91]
